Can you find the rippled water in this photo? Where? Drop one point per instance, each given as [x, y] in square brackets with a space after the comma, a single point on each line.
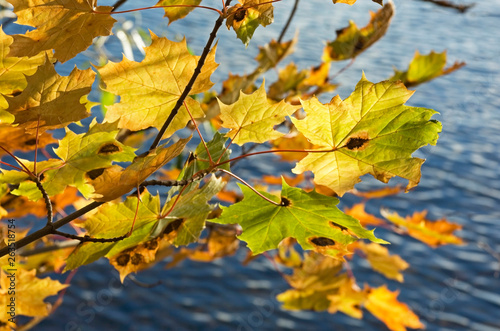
[451, 288]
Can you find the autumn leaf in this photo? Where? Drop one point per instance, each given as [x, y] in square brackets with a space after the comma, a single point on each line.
[67, 26]
[246, 16]
[381, 261]
[177, 13]
[352, 41]
[13, 70]
[31, 292]
[371, 131]
[424, 68]
[115, 220]
[289, 79]
[379, 193]
[293, 141]
[113, 182]
[135, 258]
[52, 101]
[252, 117]
[433, 233]
[150, 89]
[312, 282]
[311, 218]
[272, 53]
[384, 305]
[352, 2]
[358, 212]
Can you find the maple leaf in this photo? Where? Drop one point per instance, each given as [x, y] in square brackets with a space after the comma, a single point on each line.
[113, 182]
[381, 261]
[311, 218]
[30, 293]
[384, 305]
[293, 140]
[149, 90]
[246, 16]
[348, 299]
[177, 13]
[371, 131]
[433, 233]
[52, 101]
[13, 70]
[379, 193]
[288, 81]
[252, 117]
[67, 26]
[272, 53]
[352, 2]
[115, 220]
[424, 68]
[352, 41]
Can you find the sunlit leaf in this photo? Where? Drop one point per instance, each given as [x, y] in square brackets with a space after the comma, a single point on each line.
[311, 218]
[135, 258]
[177, 13]
[67, 26]
[149, 89]
[246, 16]
[384, 305]
[371, 131]
[252, 117]
[358, 212]
[433, 233]
[381, 261]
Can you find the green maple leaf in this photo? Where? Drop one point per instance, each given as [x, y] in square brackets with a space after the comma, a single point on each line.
[115, 220]
[371, 131]
[311, 218]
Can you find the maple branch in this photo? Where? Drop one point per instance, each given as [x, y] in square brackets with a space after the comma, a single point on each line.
[12, 166]
[48, 203]
[292, 14]
[26, 170]
[87, 238]
[196, 73]
[250, 187]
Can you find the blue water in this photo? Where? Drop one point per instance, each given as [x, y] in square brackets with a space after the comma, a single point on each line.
[451, 288]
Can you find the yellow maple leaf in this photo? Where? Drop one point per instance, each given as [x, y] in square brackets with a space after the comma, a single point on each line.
[252, 117]
[52, 101]
[67, 26]
[150, 89]
[384, 305]
[177, 13]
[13, 70]
[380, 260]
[135, 258]
[30, 292]
[15, 138]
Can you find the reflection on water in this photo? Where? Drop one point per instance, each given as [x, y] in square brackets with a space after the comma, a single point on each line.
[451, 288]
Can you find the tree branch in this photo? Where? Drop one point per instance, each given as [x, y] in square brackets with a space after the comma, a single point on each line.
[292, 14]
[190, 84]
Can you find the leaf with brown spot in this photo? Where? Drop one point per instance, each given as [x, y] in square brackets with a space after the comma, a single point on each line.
[67, 26]
[135, 259]
[15, 138]
[372, 131]
[301, 215]
[116, 181]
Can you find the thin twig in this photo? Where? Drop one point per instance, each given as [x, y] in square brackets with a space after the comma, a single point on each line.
[87, 238]
[250, 187]
[292, 14]
[48, 203]
[196, 73]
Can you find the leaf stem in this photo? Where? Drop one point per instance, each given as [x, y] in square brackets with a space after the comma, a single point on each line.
[250, 187]
[153, 7]
[26, 170]
[197, 72]
[199, 133]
